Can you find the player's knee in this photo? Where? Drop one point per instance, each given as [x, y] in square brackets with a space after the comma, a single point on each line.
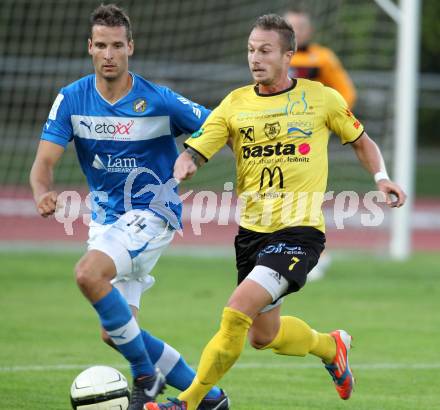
[259, 340]
[85, 276]
[257, 344]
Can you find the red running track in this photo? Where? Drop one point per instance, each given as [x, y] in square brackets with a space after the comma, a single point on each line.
[19, 222]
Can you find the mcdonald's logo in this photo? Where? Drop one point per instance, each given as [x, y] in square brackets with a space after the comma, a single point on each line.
[271, 174]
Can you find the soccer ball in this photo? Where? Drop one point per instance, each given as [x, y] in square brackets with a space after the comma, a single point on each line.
[100, 388]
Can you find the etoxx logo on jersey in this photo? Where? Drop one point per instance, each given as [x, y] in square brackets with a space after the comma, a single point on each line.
[111, 129]
[120, 128]
[115, 164]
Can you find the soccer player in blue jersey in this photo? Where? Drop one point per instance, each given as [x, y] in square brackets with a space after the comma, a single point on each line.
[123, 127]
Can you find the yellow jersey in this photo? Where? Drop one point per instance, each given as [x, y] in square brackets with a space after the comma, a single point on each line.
[280, 145]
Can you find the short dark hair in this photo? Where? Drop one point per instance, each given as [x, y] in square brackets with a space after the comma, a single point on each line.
[110, 15]
[276, 23]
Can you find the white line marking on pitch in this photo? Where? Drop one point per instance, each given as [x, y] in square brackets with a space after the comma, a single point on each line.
[252, 365]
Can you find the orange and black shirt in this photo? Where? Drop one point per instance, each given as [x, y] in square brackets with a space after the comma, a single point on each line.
[319, 63]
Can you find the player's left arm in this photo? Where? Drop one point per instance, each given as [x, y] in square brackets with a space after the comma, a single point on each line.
[371, 158]
[187, 164]
[186, 116]
[350, 130]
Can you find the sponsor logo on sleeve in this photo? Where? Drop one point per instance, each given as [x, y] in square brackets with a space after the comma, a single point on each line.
[195, 107]
[56, 104]
[197, 134]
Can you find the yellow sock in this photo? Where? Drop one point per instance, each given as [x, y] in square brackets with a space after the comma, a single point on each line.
[218, 356]
[297, 338]
[325, 347]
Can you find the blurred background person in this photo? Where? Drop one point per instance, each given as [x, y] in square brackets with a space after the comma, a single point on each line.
[317, 62]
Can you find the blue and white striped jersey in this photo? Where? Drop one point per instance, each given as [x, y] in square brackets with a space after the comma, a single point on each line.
[126, 149]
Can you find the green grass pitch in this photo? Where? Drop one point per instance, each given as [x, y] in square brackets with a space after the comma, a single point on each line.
[48, 333]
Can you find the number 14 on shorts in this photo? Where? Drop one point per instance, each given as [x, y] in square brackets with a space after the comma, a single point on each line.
[138, 221]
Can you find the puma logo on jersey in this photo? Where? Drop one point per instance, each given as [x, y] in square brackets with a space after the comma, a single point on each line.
[89, 126]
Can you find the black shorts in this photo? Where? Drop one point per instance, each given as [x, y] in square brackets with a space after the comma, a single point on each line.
[292, 252]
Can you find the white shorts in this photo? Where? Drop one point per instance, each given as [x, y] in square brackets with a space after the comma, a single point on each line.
[134, 242]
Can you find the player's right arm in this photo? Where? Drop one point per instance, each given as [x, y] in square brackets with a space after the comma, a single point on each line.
[187, 164]
[57, 132]
[41, 177]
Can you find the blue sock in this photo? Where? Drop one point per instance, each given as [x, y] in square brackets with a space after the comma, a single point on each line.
[172, 365]
[117, 319]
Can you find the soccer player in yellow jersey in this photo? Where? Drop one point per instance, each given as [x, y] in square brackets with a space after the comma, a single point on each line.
[279, 128]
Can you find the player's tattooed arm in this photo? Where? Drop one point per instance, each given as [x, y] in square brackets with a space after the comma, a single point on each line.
[197, 158]
[187, 164]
